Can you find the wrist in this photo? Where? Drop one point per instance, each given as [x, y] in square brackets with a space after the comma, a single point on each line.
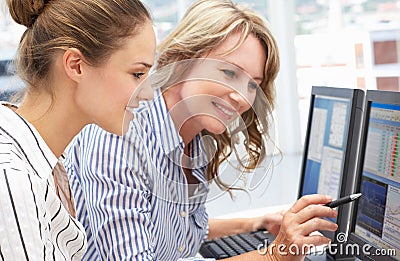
[257, 223]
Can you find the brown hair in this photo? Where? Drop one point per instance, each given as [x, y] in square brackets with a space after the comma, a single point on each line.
[95, 27]
[206, 24]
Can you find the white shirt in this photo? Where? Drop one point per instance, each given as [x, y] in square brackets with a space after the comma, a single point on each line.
[34, 224]
[131, 192]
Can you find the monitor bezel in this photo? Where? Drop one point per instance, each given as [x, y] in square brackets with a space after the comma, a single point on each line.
[349, 167]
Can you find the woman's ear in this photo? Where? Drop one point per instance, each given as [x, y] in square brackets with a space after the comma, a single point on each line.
[72, 63]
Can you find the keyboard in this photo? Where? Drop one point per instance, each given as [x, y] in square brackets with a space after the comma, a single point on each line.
[233, 245]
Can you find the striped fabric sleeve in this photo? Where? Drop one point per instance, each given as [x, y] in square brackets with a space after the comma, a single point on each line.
[117, 201]
[21, 215]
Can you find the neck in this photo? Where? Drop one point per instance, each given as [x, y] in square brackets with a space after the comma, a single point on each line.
[53, 118]
[184, 122]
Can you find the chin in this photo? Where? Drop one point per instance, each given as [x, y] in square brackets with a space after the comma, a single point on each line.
[128, 117]
[217, 129]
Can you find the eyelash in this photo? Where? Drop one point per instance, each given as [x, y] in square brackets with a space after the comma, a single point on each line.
[253, 85]
[138, 75]
[229, 73]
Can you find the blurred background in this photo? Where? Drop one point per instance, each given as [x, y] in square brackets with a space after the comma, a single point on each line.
[337, 43]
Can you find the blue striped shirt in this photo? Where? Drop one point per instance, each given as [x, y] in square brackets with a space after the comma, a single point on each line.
[131, 192]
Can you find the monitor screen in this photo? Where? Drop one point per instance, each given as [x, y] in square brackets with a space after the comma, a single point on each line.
[377, 217]
[326, 145]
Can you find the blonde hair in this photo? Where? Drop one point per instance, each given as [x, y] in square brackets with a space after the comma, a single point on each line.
[95, 27]
[206, 24]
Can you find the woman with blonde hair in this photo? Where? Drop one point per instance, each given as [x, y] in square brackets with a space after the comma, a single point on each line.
[142, 196]
[81, 62]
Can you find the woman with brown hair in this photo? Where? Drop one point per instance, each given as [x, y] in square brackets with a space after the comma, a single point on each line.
[81, 62]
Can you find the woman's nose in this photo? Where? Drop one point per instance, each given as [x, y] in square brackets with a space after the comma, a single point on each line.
[145, 91]
[239, 101]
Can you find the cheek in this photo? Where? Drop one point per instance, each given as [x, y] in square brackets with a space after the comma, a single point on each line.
[90, 92]
[119, 90]
[191, 94]
[249, 103]
[243, 110]
[124, 94]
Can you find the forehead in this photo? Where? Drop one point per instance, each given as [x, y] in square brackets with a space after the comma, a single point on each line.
[140, 46]
[249, 56]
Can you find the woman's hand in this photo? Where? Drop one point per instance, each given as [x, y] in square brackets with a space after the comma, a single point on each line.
[304, 217]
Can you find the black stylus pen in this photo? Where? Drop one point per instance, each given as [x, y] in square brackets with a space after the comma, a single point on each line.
[344, 200]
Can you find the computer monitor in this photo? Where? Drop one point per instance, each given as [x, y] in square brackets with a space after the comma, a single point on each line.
[331, 147]
[375, 230]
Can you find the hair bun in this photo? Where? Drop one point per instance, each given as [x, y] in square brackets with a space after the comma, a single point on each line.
[25, 12]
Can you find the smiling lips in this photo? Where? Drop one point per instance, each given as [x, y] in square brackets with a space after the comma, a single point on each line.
[224, 111]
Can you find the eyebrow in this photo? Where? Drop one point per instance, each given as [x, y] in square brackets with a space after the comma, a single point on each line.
[147, 65]
[255, 78]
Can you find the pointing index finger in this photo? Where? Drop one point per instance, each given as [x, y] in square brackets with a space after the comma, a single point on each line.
[314, 199]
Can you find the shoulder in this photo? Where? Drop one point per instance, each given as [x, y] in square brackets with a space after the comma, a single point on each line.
[19, 178]
[11, 156]
[90, 140]
[6, 147]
